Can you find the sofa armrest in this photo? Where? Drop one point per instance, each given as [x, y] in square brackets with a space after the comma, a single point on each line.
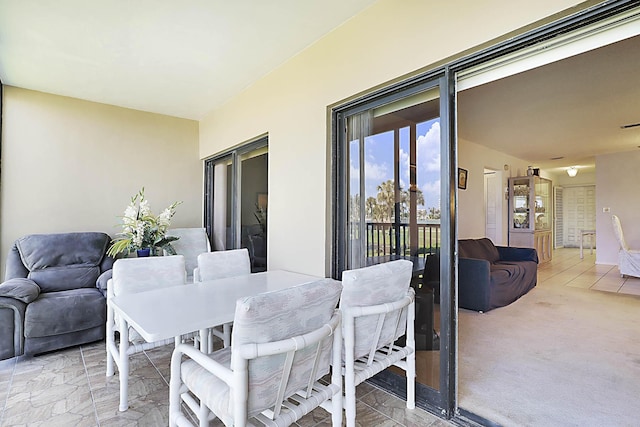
[22, 289]
[508, 253]
[474, 284]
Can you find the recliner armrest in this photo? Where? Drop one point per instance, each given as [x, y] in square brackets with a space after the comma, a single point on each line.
[508, 253]
[101, 283]
[22, 289]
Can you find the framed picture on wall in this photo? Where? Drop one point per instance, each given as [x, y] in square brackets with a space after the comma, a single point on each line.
[462, 179]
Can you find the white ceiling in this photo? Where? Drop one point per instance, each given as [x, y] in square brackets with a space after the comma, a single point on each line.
[186, 58]
[180, 58]
[571, 108]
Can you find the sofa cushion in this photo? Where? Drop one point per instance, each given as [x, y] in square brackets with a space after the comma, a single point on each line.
[56, 313]
[478, 249]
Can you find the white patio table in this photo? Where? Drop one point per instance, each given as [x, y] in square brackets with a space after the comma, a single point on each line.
[174, 311]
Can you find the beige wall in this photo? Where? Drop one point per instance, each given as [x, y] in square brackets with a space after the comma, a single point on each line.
[390, 39]
[471, 204]
[72, 165]
[617, 178]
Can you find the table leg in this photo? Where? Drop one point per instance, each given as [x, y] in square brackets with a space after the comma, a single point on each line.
[581, 241]
[124, 364]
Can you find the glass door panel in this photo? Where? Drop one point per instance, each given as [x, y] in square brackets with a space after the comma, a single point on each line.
[236, 201]
[394, 194]
[253, 206]
[220, 204]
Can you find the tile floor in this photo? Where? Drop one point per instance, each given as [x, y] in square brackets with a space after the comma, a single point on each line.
[69, 388]
[568, 269]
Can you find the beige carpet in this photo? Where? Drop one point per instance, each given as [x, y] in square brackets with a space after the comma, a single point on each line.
[559, 356]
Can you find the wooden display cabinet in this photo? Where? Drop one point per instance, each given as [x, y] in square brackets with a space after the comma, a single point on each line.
[530, 214]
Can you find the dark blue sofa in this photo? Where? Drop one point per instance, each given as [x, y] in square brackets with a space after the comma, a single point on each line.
[492, 276]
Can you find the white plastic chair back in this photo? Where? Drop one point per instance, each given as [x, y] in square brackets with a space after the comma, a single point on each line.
[283, 343]
[628, 259]
[378, 307]
[369, 286]
[191, 243]
[617, 230]
[131, 275]
[221, 264]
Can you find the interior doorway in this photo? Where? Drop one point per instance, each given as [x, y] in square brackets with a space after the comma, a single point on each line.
[579, 213]
[493, 205]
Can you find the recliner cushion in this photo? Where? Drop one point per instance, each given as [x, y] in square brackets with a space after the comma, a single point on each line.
[56, 313]
[63, 261]
[55, 279]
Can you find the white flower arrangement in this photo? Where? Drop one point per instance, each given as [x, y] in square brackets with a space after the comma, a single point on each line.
[141, 229]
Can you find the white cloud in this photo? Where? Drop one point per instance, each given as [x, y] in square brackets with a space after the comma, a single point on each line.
[431, 192]
[429, 149]
[376, 171]
[431, 188]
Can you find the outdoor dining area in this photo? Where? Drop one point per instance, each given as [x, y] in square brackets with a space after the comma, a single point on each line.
[260, 348]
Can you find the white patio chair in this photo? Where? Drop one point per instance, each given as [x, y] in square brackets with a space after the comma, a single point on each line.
[283, 344]
[378, 307]
[218, 265]
[132, 275]
[191, 243]
[628, 259]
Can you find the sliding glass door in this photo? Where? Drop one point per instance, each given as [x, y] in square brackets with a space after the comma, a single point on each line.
[236, 201]
[392, 176]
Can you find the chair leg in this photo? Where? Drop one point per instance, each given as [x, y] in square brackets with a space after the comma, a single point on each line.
[226, 333]
[174, 389]
[411, 358]
[349, 375]
[110, 367]
[411, 381]
[203, 416]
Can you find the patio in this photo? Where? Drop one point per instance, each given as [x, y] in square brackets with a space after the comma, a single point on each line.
[69, 387]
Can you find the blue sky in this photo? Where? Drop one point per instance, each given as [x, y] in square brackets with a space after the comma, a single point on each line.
[379, 162]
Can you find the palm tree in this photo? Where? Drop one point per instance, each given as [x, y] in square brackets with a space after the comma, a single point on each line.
[386, 198]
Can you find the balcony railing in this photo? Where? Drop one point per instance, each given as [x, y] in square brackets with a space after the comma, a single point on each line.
[386, 238]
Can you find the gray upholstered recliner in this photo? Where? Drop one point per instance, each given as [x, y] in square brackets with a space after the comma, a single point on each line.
[54, 293]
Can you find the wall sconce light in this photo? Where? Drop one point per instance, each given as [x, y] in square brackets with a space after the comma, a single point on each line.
[572, 171]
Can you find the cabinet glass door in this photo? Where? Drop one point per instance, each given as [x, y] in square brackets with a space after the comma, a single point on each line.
[521, 194]
[543, 205]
